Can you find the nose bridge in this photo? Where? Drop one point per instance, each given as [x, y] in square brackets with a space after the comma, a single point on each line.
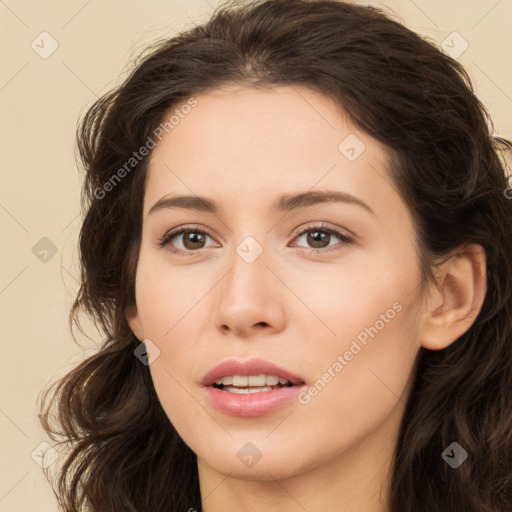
[247, 297]
[249, 267]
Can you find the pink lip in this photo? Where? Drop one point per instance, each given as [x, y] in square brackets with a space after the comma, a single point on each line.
[253, 404]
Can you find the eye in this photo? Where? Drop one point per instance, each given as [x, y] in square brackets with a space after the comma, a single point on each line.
[320, 236]
[193, 239]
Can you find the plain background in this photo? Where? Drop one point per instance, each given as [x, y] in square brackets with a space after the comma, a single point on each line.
[41, 100]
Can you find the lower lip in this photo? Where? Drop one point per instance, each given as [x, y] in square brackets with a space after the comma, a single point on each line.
[252, 404]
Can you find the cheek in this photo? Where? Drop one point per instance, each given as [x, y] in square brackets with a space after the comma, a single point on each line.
[169, 305]
[167, 297]
[364, 371]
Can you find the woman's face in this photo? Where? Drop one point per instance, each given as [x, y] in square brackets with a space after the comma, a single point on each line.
[264, 276]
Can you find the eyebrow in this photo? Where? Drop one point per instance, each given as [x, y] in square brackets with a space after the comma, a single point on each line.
[284, 203]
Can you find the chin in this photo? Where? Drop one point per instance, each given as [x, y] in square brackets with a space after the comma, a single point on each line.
[245, 462]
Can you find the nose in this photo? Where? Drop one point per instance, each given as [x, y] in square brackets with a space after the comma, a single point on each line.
[249, 300]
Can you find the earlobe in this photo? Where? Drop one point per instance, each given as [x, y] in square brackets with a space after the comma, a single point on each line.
[132, 317]
[459, 299]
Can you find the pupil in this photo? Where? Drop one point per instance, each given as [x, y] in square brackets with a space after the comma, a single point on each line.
[318, 237]
[193, 238]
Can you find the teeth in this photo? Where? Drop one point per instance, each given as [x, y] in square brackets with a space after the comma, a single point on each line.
[246, 391]
[257, 381]
[240, 380]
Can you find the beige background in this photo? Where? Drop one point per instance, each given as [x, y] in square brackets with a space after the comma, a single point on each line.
[41, 100]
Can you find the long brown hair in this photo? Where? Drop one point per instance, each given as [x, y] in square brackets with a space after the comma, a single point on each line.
[449, 169]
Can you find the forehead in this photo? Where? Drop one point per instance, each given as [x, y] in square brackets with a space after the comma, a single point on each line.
[245, 122]
[249, 144]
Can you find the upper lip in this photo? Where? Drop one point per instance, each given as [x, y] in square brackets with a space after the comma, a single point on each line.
[251, 367]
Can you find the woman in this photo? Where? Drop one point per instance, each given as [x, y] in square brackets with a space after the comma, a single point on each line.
[297, 241]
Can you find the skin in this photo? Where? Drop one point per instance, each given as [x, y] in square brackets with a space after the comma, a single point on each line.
[243, 148]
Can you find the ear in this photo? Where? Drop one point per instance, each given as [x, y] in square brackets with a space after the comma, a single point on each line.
[458, 299]
[132, 317]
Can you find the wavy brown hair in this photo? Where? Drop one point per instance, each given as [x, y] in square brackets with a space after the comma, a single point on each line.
[449, 169]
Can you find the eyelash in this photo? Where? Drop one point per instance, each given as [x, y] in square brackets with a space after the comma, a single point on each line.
[165, 239]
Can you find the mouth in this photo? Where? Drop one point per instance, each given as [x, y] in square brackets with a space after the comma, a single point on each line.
[255, 374]
[246, 384]
[251, 388]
